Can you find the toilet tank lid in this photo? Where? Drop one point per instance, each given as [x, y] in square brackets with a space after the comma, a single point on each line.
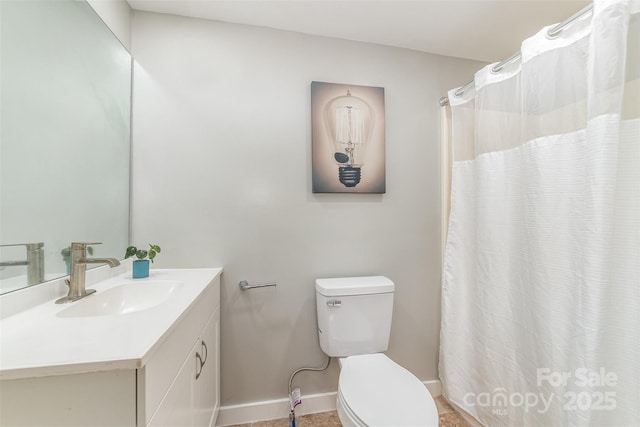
[344, 286]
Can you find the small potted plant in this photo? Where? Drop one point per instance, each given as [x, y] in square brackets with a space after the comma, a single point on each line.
[141, 265]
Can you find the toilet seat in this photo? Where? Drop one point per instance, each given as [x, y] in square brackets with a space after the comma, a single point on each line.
[375, 391]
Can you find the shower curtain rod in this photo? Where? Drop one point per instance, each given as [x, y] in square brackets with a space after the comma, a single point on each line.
[551, 33]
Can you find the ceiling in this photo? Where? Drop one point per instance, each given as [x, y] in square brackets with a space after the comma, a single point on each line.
[485, 30]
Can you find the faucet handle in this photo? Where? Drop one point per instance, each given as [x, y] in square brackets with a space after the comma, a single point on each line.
[83, 245]
[30, 246]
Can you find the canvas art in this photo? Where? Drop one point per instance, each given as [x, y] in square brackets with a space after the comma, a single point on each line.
[348, 138]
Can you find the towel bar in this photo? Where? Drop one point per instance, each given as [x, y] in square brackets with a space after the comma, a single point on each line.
[244, 285]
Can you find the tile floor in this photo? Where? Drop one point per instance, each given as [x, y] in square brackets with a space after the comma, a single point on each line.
[448, 418]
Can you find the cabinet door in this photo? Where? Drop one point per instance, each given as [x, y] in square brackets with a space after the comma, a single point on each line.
[206, 387]
[176, 407]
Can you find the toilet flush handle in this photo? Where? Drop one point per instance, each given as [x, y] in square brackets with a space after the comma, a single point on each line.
[334, 303]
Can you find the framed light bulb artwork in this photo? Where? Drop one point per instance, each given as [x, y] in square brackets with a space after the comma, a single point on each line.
[348, 145]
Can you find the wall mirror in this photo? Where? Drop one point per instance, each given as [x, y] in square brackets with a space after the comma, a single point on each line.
[64, 138]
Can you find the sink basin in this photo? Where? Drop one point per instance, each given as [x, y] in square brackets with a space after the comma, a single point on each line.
[128, 297]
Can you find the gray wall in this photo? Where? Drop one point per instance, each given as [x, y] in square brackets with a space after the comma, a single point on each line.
[221, 177]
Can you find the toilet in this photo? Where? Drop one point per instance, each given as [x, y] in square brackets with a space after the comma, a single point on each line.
[354, 323]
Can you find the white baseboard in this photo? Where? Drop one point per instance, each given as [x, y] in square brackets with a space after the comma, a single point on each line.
[434, 387]
[274, 409]
[279, 408]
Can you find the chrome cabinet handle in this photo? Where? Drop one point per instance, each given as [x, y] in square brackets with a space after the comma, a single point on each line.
[206, 352]
[198, 362]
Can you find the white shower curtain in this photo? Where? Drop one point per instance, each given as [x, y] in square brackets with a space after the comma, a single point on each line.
[541, 286]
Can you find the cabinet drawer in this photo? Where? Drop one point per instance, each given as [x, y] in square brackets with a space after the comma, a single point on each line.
[155, 378]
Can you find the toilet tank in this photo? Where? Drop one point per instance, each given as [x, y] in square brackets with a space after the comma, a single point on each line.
[354, 314]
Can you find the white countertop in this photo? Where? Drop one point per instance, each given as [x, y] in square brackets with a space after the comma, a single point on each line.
[39, 342]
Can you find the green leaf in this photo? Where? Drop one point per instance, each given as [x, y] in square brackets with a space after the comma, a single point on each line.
[131, 251]
[153, 251]
[66, 254]
[141, 254]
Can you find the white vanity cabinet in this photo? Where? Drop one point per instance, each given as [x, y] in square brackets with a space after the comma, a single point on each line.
[180, 385]
[175, 383]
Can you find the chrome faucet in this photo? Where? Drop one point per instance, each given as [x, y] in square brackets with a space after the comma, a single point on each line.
[34, 262]
[77, 278]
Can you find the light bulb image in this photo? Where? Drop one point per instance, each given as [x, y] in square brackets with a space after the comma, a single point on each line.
[349, 121]
[347, 138]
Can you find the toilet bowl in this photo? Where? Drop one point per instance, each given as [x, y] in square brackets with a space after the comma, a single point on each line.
[375, 391]
[354, 324]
